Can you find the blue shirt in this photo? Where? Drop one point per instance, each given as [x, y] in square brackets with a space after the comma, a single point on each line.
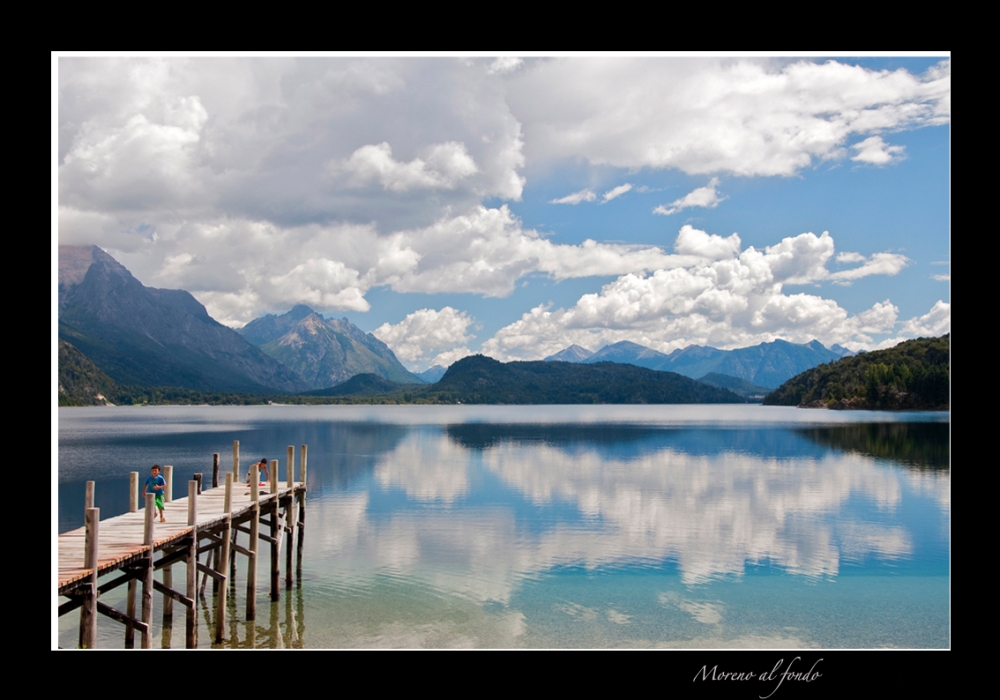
[155, 485]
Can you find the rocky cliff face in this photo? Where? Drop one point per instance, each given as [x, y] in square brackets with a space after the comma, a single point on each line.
[155, 337]
[324, 352]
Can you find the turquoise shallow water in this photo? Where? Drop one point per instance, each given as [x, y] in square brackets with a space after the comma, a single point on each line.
[594, 527]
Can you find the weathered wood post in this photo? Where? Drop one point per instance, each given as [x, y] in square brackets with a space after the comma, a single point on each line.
[191, 623]
[223, 560]
[216, 553]
[253, 547]
[236, 461]
[88, 613]
[302, 514]
[147, 576]
[290, 517]
[197, 479]
[88, 497]
[276, 533]
[168, 573]
[236, 481]
[133, 507]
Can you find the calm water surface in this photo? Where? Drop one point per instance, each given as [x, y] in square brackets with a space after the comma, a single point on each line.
[566, 526]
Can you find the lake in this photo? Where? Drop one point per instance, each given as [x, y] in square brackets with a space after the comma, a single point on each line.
[565, 526]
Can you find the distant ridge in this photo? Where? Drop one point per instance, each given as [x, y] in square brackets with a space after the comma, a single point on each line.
[766, 365]
[574, 353]
[432, 374]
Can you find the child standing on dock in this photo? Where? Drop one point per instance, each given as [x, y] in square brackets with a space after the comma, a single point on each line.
[156, 485]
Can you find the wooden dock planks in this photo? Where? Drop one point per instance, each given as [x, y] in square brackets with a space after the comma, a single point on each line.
[121, 537]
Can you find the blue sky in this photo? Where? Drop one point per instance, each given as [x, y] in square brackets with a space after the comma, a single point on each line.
[516, 205]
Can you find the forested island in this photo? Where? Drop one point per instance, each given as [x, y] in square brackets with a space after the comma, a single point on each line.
[914, 375]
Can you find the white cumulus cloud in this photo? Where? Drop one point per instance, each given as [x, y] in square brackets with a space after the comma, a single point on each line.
[874, 151]
[714, 294]
[707, 197]
[935, 322]
[426, 334]
[446, 165]
[706, 116]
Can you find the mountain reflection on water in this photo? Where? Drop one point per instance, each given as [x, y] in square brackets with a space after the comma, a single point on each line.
[635, 528]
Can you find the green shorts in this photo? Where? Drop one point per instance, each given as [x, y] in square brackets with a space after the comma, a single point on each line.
[158, 500]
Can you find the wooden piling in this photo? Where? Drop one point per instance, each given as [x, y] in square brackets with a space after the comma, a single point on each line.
[88, 496]
[130, 614]
[168, 476]
[302, 466]
[88, 613]
[236, 461]
[290, 517]
[197, 479]
[220, 599]
[253, 547]
[168, 602]
[147, 574]
[133, 507]
[302, 515]
[191, 622]
[215, 470]
[276, 534]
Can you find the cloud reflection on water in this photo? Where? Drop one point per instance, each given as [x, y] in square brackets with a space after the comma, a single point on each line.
[712, 514]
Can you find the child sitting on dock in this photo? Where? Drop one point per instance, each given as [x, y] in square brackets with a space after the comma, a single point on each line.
[156, 485]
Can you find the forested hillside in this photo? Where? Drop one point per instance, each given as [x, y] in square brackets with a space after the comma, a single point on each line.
[914, 375]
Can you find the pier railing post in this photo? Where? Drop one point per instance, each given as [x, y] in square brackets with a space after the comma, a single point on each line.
[236, 461]
[223, 590]
[276, 534]
[147, 575]
[88, 613]
[168, 476]
[253, 547]
[197, 479]
[191, 591]
[290, 517]
[302, 515]
[133, 507]
[88, 496]
[302, 466]
[215, 470]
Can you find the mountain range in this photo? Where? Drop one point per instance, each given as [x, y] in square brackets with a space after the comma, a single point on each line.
[146, 337]
[142, 336]
[767, 365]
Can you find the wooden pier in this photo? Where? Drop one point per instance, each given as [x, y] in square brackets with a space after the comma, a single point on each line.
[208, 521]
